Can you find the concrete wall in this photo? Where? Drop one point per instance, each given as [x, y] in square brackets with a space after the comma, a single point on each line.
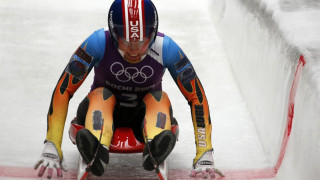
[276, 66]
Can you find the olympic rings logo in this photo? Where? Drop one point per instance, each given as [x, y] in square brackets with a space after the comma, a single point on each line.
[131, 73]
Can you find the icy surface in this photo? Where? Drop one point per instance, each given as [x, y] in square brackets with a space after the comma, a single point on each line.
[37, 39]
[265, 41]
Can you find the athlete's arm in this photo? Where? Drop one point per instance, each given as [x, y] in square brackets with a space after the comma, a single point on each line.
[88, 54]
[189, 84]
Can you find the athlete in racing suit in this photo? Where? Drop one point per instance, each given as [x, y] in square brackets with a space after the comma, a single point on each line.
[126, 90]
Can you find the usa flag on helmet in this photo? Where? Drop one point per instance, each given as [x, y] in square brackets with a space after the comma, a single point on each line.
[132, 20]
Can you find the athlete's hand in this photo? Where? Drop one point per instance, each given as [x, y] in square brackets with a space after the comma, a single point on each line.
[205, 166]
[51, 159]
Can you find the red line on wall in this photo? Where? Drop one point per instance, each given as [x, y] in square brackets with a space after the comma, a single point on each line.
[292, 96]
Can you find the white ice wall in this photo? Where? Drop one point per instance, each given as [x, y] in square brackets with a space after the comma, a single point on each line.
[264, 40]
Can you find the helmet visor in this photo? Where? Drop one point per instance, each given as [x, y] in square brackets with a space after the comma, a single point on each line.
[133, 33]
[134, 44]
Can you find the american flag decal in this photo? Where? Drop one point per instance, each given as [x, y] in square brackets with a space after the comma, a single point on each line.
[133, 18]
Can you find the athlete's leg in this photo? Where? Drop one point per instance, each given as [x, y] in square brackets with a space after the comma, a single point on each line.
[157, 128]
[95, 109]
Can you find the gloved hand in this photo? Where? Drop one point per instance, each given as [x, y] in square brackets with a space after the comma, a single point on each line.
[205, 166]
[51, 159]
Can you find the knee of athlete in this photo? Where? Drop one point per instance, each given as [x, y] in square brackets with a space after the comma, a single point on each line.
[159, 96]
[101, 92]
[84, 105]
[159, 101]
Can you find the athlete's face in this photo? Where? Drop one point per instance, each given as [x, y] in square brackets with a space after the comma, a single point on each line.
[135, 49]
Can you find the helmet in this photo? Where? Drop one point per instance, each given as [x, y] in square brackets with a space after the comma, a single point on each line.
[133, 20]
